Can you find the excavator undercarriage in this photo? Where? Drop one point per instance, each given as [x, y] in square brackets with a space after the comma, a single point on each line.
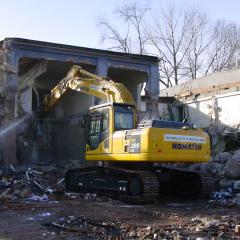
[140, 185]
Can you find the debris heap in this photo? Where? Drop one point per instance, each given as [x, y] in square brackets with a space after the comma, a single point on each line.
[200, 228]
[28, 183]
[226, 166]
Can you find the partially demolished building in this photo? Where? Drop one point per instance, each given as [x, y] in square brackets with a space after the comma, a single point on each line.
[211, 102]
[30, 69]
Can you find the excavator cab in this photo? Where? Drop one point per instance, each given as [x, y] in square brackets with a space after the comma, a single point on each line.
[105, 119]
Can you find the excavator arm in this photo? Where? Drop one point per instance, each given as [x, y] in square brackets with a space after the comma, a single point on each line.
[83, 81]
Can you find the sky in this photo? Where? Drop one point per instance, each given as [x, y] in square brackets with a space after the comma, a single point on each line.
[74, 22]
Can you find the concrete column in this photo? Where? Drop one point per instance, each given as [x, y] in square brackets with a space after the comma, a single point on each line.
[102, 70]
[102, 67]
[139, 96]
[9, 93]
[152, 93]
[153, 81]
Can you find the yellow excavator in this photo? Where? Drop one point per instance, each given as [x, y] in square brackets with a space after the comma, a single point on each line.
[132, 153]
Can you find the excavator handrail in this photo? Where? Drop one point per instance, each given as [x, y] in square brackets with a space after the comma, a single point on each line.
[83, 81]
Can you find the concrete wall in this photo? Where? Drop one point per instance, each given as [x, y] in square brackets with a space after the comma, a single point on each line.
[199, 112]
[26, 99]
[210, 100]
[74, 103]
[214, 79]
[163, 108]
[229, 112]
[219, 109]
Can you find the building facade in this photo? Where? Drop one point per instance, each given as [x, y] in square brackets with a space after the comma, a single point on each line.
[30, 69]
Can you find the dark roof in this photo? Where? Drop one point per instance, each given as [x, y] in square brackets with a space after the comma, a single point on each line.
[81, 49]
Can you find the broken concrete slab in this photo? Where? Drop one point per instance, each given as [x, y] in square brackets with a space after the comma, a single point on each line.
[233, 166]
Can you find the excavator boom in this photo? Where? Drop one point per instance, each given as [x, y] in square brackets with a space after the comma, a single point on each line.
[82, 81]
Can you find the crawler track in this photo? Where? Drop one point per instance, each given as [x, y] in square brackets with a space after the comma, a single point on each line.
[137, 186]
[185, 183]
[128, 185]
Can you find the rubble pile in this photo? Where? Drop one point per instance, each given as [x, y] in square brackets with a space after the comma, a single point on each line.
[90, 217]
[28, 183]
[40, 184]
[221, 228]
[226, 167]
[85, 227]
[199, 227]
[226, 198]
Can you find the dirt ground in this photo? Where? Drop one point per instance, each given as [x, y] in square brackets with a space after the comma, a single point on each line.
[79, 218]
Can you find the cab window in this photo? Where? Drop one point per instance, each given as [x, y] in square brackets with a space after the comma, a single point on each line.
[123, 119]
[98, 128]
[94, 130]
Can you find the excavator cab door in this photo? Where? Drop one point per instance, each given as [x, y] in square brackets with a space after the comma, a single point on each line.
[97, 127]
[94, 130]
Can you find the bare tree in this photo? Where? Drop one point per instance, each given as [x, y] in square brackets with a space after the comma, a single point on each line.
[198, 31]
[133, 16]
[172, 39]
[187, 43]
[119, 41]
[224, 47]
